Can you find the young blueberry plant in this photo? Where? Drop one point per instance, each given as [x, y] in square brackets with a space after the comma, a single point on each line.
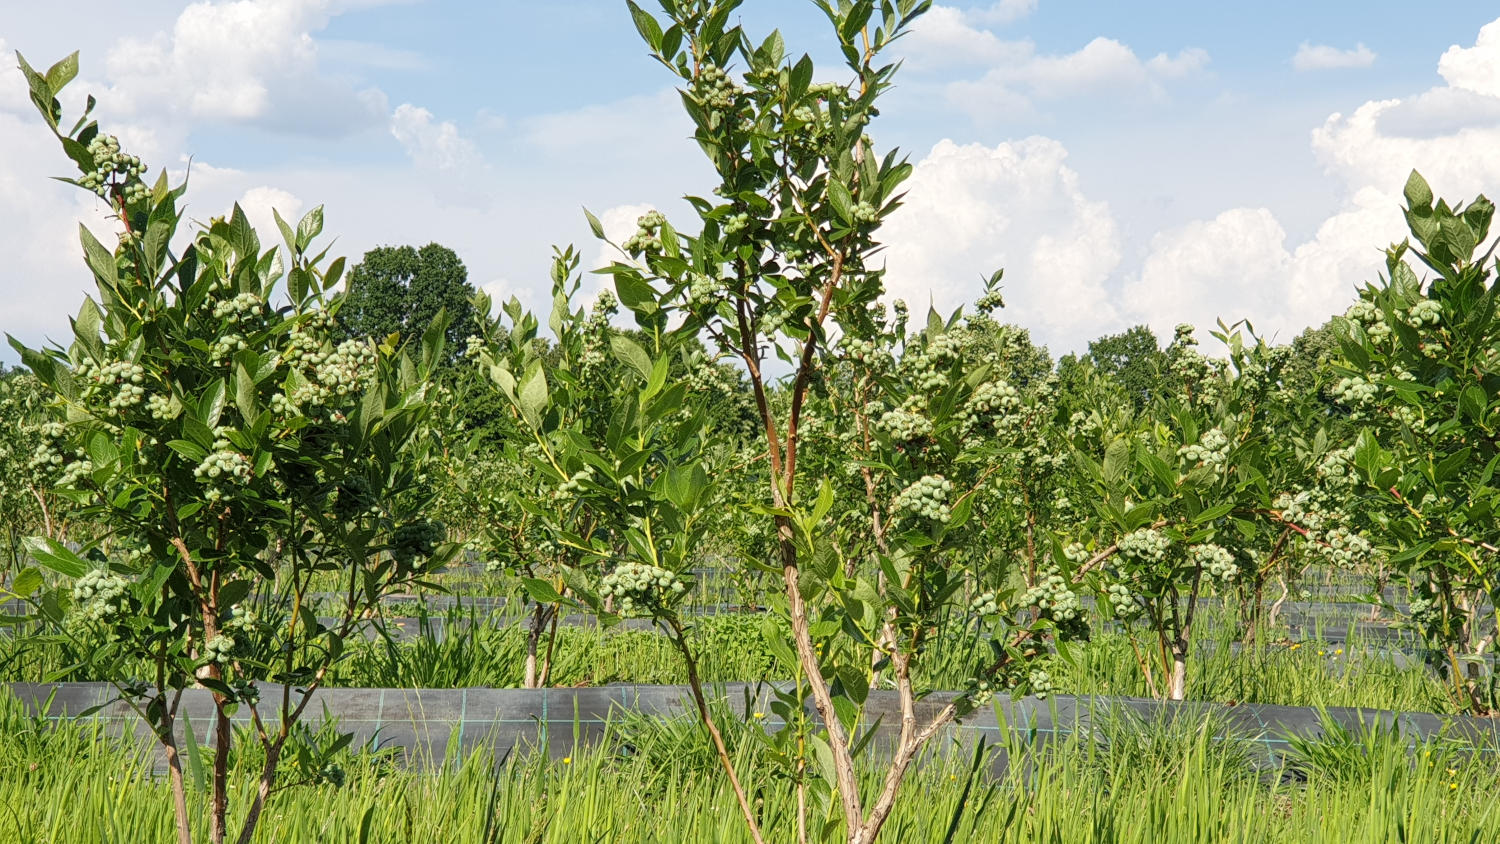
[238, 455]
[1209, 490]
[626, 458]
[783, 265]
[26, 507]
[1421, 375]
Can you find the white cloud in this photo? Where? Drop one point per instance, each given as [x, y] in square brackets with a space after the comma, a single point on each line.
[13, 94]
[1186, 63]
[432, 144]
[1019, 77]
[247, 61]
[44, 276]
[946, 37]
[999, 12]
[1194, 272]
[1475, 68]
[1324, 57]
[972, 209]
[259, 202]
[1238, 264]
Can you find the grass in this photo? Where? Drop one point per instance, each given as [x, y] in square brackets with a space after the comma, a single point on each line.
[1166, 783]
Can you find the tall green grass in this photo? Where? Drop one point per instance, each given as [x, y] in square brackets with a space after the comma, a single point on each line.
[1168, 782]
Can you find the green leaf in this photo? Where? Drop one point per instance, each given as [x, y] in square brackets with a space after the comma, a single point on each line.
[244, 392]
[824, 503]
[286, 232]
[190, 450]
[56, 556]
[541, 591]
[27, 582]
[211, 404]
[310, 226]
[1418, 192]
[533, 395]
[629, 352]
[62, 73]
[194, 755]
[842, 202]
[100, 260]
[594, 225]
[1474, 402]
[646, 25]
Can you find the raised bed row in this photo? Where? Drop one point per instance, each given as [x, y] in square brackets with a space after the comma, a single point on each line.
[426, 725]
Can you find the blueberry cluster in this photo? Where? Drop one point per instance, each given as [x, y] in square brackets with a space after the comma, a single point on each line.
[990, 301]
[1425, 312]
[640, 589]
[415, 540]
[226, 346]
[222, 464]
[162, 408]
[905, 426]
[736, 223]
[126, 379]
[985, 604]
[113, 167]
[334, 375]
[1126, 604]
[1147, 545]
[1052, 596]
[1336, 469]
[647, 237]
[926, 498]
[244, 308]
[713, 87]
[574, 484]
[1355, 392]
[1211, 450]
[1218, 561]
[101, 597]
[220, 649]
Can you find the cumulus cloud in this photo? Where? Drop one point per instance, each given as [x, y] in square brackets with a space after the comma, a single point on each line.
[1000, 12]
[258, 203]
[1238, 265]
[1019, 77]
[972, 209]
[248, 61]
[947, 36]
[457, 169]
[1475, 68]
[44, 276]
[1323, 57]
[430, 143]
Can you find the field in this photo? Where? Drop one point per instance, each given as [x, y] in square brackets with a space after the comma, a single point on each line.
[736, 547]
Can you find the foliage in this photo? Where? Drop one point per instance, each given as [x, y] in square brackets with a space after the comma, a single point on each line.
[1421, 366]
[1134, 360]
[403, 290]
[26, 506]
[780, 264]
[1214, 486]
[235, 448]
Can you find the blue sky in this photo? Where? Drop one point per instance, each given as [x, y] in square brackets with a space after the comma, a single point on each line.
[1162, 162]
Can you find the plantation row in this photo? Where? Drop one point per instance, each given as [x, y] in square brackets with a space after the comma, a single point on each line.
[243, 453]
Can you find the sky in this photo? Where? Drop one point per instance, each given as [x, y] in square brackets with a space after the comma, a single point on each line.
[1125, 163]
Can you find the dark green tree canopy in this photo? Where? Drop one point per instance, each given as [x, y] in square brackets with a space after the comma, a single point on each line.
[1133, 358]
[400, 289]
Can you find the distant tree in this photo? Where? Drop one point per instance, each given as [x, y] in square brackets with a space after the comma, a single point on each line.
[1309, 368]
[1133, 359]
[400, 289]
